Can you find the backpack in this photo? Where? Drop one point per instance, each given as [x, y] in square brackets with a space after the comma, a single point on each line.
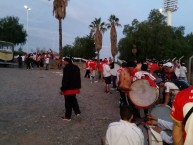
[181, 84]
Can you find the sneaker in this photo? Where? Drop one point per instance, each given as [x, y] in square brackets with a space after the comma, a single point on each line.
[78, 117]
[95, 81]
[66, 119]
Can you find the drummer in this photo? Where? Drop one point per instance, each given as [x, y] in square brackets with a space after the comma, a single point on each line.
[170, 90]
[144, 74]
[123, 96]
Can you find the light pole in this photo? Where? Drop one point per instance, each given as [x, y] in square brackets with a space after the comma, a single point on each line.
[170, 6]
[28, 9]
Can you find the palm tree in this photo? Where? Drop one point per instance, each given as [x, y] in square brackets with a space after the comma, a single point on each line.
[97, 29]
[59, 11]
[113, 21]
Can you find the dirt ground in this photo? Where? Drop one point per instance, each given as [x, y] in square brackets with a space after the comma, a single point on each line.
[31, 109]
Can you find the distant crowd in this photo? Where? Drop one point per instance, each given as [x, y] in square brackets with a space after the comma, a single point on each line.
[38, 60]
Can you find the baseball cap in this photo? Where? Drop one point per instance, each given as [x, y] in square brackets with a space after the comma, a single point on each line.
[168, 64]
[158, 81]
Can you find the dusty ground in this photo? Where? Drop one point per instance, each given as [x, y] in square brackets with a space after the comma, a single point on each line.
[30, 110]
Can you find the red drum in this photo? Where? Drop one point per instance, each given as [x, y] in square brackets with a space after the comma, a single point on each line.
[162, 112]
[142, 94]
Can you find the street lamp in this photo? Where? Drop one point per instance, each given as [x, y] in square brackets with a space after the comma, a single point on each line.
[28, 9]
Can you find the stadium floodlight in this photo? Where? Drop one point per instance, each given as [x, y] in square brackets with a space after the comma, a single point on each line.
[27, 10]
[169, 7]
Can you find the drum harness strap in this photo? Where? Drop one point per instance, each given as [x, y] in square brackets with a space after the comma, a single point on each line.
[187, 116]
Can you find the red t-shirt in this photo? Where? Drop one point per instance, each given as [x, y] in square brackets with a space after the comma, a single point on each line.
[87, 63]
[154, 67]
[100, 66]
[92, 65]
[181, 105]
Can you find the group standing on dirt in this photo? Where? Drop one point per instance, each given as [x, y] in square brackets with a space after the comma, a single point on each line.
[170, 78]
[38, 60]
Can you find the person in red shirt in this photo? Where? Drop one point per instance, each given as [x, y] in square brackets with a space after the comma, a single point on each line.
[59, 63]
[92, 66]
[87, 74]
[183, 125]
[100, 69]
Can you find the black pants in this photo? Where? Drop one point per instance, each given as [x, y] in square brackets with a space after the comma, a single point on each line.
[87, 74]
[71, 103]
[114, 78]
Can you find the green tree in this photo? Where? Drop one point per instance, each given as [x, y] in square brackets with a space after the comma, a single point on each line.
[97, 29]
[67, 50]
[59, 11]
[113, 22]
[12, 31]
[154, 39]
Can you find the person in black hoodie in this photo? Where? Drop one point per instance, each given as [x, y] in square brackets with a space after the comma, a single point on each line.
[71, 84]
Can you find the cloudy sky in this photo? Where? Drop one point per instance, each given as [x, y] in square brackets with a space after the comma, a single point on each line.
[43, 27]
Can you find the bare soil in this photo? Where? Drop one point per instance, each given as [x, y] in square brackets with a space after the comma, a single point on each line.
[31, 109]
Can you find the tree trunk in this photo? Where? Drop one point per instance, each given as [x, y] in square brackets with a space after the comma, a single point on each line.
[113, 35]
[60, 38]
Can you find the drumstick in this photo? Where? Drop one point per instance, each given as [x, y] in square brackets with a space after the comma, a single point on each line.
[154, 136]
[151, 133]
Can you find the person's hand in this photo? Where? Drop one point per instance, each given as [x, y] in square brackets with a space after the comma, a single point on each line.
[152, 117]
[157, 129]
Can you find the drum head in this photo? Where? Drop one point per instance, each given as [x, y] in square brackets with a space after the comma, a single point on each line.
[162, 112]
[142, 94]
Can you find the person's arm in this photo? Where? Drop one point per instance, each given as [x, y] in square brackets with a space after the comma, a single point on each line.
[177, 133]
[167, 98]
[165, 137]
[166, 124]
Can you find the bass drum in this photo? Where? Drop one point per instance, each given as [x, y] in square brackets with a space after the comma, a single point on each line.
[142, 94]
[162, 112]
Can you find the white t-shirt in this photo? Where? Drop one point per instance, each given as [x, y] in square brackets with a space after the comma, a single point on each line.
[114, 70]
[47, 60]
[183, 71]
[170, 87]
[106, 70]
[124, 133]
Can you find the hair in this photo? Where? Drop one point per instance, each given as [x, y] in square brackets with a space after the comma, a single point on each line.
[125, 112]
[144, 67]
[68, 60]
[124, 64]
[131, 64]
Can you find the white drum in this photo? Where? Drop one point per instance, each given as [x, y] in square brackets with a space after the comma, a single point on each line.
[142, 94]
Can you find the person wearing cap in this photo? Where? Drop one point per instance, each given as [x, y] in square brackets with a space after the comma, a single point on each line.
[71, 84]
[170, 90]
[170, 74]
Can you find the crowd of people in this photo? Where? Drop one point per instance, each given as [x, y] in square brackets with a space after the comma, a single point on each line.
[169, 78]
[38, 60]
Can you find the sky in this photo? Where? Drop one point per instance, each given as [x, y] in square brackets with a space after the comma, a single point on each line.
[43, 26]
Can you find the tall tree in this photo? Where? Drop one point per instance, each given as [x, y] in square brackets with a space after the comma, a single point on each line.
[97, 29]
[59, 11]
[12, 31]
[113, 22]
